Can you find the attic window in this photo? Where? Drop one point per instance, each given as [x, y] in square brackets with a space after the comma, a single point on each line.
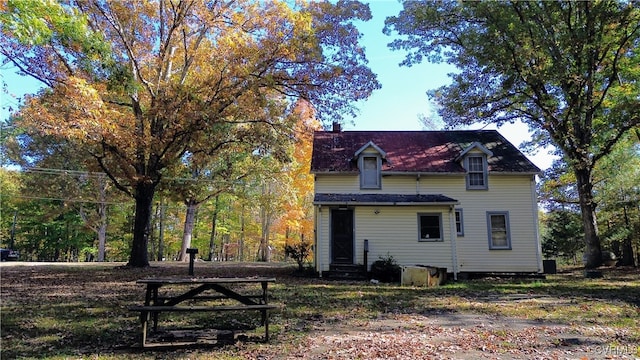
[476, 172]
[370, 172]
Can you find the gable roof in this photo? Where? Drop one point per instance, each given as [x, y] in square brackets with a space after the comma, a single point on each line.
[416, 151]
[370, 144]
[476, 145]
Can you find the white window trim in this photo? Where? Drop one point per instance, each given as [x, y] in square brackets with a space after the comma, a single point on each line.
[461, 232]
[378, 184]
[439, 239]
[485, 176]
[489, 230]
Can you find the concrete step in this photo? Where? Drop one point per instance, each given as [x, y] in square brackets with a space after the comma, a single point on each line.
[346, 272]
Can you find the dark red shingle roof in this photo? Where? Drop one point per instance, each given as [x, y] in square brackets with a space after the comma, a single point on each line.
[415, 151]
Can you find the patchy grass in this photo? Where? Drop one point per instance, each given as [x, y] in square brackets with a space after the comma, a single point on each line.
[80, 311]
[566, 298]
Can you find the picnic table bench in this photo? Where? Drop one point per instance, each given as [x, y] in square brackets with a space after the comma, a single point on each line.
[195, 289]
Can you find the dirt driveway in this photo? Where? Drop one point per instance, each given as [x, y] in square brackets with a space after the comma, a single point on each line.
[458, 336]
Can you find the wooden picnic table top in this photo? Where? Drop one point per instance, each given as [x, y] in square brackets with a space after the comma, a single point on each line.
[217, 280]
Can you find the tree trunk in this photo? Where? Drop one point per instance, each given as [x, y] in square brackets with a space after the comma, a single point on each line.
[241, 242]
[262, 251]
[153, 248]
[102, 233]
[13, 230]
[214, 219]
[189, 223]
[627, 258]
[102, 220]
[144, 202]
[163, 208]
[627, 253]
[265, 222]
[593, 251]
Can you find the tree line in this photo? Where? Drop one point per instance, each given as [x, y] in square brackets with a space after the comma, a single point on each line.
[617, 194]
[61, 214]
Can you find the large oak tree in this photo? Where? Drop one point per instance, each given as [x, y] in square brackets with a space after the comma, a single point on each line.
[568, 69]
[139, 84]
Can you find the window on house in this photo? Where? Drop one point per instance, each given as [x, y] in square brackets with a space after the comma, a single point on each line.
[370, 172]
[430, 227]
[459, 225]
[498, 228]
[476, 172]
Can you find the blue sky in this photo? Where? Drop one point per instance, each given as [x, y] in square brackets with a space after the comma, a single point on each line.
[396, 106]
[403, 95]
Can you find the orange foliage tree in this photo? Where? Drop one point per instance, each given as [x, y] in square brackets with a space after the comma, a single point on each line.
[296, 222]
[137, 85]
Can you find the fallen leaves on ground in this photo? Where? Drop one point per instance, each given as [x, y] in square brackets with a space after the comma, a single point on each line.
[80, 312]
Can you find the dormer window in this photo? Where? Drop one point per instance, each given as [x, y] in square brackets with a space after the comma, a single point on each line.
[370, 172]
[474, 161]
[476, 172]
[370, 165]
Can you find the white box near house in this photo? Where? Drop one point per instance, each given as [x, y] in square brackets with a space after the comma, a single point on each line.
[426, 276]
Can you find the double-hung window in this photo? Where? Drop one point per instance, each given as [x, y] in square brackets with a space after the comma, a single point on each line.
[370, 172]
[430, 227]
[459, 223]
[476, 172]
[498, 230]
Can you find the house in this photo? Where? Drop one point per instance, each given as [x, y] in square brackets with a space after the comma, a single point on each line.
[460, 200]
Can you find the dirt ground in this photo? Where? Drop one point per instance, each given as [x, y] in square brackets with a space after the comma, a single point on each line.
[457, 336]
[429, 334]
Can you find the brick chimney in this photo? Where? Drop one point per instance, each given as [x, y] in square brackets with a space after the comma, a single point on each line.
[336, 127]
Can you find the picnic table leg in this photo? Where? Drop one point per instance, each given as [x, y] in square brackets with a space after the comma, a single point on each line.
[155, 302]
[150, 295]
[155, 321]
[264, 293]
[145, 320]
[265, 321]
[150, 298]
[265, 314]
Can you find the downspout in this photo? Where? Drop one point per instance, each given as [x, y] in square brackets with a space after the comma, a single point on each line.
[319, 240]
[534, 206]
[315, 237]
[454, 249]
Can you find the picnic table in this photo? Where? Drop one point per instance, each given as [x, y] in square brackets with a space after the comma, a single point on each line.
[193, 290]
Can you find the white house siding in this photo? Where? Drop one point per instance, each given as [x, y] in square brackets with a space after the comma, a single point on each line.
[510, 193]
[399, 184]
[337, 184]
[350, 184]
[394, 230]
[323, 238]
